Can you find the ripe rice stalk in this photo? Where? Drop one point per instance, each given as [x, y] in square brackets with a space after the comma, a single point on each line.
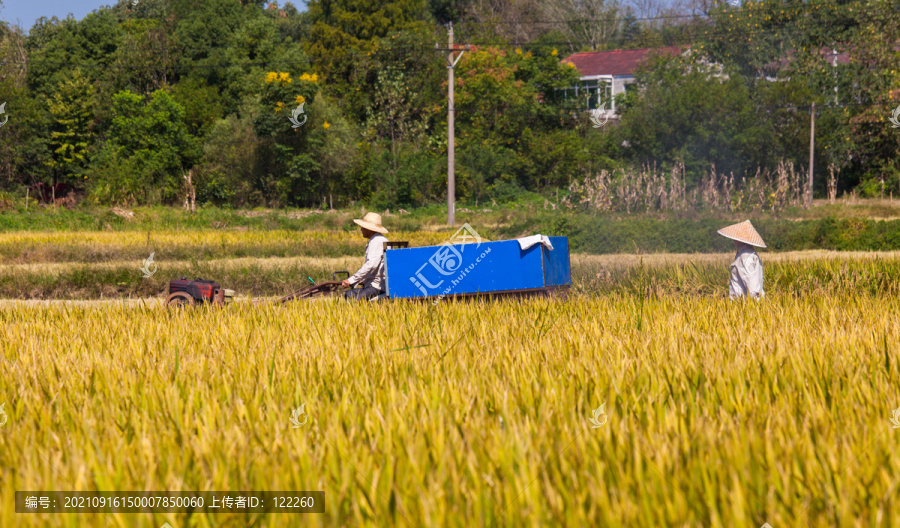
[715, 413]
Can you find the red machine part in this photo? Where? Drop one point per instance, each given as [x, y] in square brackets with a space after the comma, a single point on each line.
[185, 292]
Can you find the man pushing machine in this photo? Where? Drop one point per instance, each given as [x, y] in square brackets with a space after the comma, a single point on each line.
[371, 274]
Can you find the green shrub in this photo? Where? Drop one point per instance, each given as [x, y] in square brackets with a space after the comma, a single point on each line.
[636, 234]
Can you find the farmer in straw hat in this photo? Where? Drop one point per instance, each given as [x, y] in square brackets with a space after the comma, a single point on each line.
[746, 270]
[371, 274]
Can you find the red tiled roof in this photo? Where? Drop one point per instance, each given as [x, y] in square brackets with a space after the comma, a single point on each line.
[616, 62]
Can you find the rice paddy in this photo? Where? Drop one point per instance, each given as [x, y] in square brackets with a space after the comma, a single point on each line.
[714, 413]
[98, 246]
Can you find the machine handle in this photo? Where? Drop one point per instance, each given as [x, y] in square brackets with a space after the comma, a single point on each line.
[336, 273]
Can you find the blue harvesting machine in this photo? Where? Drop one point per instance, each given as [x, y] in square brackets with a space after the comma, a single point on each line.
[479, 268]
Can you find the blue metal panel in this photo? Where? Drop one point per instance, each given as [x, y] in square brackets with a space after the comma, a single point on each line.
[466, 268]
[557, 271]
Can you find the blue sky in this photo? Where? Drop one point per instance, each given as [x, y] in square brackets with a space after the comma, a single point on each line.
[25, 12]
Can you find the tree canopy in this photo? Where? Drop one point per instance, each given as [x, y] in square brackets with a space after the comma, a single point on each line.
[126, 102]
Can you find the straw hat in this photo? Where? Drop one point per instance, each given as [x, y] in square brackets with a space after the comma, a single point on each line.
[372, 222]
[743, 232]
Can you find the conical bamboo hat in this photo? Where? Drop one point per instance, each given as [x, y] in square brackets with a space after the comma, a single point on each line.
[743, 232]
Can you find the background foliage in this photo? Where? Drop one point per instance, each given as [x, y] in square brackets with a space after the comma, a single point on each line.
[125, 102]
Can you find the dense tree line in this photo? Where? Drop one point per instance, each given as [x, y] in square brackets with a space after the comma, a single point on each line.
[136, 103]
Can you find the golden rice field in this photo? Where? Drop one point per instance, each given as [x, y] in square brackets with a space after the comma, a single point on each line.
[469, 414]
[23, 247]
[465, 414]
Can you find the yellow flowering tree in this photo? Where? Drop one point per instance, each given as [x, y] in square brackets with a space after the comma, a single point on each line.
[285, 97]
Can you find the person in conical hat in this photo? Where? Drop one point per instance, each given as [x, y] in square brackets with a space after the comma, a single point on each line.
[746, 270]
[371, 274]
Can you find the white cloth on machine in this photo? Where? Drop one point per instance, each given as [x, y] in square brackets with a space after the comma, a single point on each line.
[527, 242]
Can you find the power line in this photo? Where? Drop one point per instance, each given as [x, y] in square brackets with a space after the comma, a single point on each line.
[708, 31]
[616, 14]
[617, 18]
[692, 31]
[808, 6]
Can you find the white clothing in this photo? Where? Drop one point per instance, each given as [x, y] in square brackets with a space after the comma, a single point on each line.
[746, 274]
[372, 272]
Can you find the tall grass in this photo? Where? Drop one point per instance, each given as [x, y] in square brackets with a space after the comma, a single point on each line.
[650, 189]
[721, 414]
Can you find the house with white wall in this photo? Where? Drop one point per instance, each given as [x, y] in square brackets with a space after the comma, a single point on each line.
[605, 74]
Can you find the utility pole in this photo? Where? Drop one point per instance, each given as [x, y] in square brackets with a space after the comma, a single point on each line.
[812, 146]
[451, 175]
[834, 56]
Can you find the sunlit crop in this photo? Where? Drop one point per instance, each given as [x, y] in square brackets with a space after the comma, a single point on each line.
[467, 414]
[96, 246]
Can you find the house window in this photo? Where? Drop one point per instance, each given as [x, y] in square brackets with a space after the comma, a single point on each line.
[595, 93]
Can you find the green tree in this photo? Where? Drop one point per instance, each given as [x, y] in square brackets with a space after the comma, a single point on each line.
[513, 117]
[392, 117]
[56, 47]
[24, 150]
[248, 42]
[148, 150]
[692, 112]
[145, 56]
[23, 137]
[72, 107]
[230, 164]
[202, 104]
[840, 55]
[344, 30]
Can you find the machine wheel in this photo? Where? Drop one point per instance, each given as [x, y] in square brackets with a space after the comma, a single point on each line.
[179, 299]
